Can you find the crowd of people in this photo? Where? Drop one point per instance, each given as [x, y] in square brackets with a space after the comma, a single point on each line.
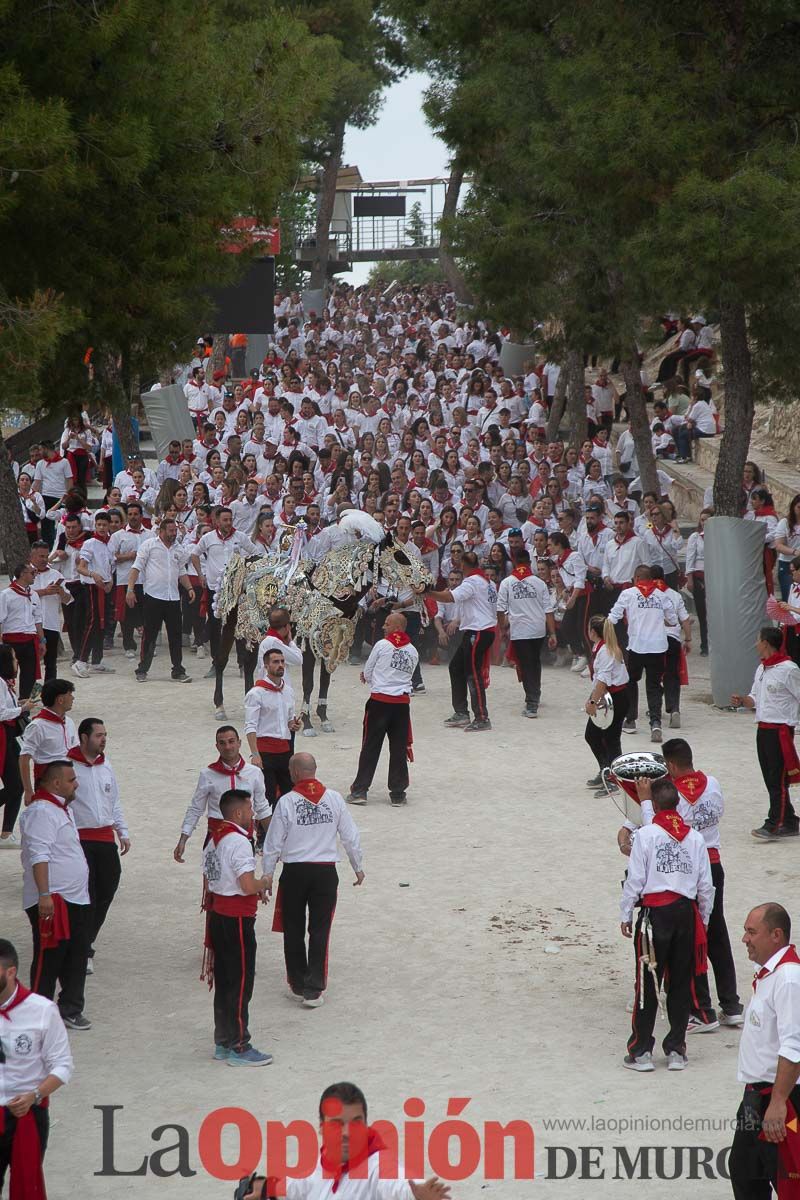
[541, 555]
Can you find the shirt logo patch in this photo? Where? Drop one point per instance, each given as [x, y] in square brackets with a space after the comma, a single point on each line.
[307, 813]
[213, 869]
[670, 860]
[23, 1044]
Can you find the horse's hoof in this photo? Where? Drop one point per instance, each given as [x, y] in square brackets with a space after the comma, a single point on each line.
[220, 714]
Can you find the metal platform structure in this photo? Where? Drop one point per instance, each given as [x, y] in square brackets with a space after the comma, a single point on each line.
[372, 222]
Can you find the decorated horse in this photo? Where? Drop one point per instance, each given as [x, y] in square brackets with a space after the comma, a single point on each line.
[321, 581]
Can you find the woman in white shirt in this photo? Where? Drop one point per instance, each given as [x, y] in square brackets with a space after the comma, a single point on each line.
[787, 543]
[762, 508]
[609, 677]
[696, 577]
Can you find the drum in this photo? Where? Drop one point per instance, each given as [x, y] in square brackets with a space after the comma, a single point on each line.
[624, 771]
[603, 713]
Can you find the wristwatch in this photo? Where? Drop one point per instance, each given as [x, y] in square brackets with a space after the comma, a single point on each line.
[37, 1096]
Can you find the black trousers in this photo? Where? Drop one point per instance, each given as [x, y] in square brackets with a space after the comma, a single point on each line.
[308, 896]
[309, 664]
[193, 622]
[673, 940]
[277, 779]
[770, 759]
[652, 667]
[382, 720]
[52, 639]
[66, 964]
[234, 943]
[529, 662]
[49, 526]
[720, 956]
[154, 613]
[105, 871]
[606, 744]
[672, 676]
[572, 631]
[699, 595]
[91, 644]
[132, 619]
[26, 658]
[753, 1163]
[11, 794]
[75, 617]
[414, 630]
[42, 1118]
[466, 672]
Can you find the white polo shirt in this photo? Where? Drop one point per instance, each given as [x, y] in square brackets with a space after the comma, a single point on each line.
[48, 740]
[54, 478]
[772, 1021]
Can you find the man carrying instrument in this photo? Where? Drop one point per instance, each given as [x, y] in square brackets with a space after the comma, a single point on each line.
[670, 878]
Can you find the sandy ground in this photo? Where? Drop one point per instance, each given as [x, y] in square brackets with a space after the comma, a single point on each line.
[441, 988]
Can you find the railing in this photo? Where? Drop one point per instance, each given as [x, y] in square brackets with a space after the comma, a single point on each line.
[373, 233]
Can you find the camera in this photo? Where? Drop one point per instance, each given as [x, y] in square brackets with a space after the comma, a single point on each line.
[246, 1185]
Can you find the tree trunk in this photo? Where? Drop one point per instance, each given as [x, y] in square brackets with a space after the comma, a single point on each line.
[452, 272]
[739, 409]
[640, 425]
[576, 402]
[557, 409]
[13, 538]
[325, 203]
[119, 403]
[218, 354]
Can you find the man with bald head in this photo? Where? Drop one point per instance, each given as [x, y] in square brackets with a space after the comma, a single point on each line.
[55, 892]
[389, 671]
[769, 1059]
[302, 835]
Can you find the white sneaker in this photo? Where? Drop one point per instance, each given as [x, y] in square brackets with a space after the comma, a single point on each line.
[734, 1019]
[644, 1062]
[90, 966]
[101, 669]
[315, 1002]
[694, 1025]
[579, 665]
[676, 1062]
[81, 669]
[9, 842]
[202, 652]
[585, 673]
[131, 654]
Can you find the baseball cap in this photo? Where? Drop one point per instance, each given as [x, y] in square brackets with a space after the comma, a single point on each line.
[598, 508]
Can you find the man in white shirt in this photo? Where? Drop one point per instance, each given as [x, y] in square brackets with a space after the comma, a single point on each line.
[670, 877]
[36, 1061]
[233, 893]
[209, 560]
[229, 771]
[769, 1059]
[270, 723]
[95, 569]
[647, 610]
[21, 625]
[55, 893]
[162, 562]
[302, 836]
[124, 546]
[476, 597]
[49, 586]
[389, 672]
[622, 554]
[526, 607]
[100, 820]
[50, 734]
[53, 478]
[246, 509]
[605, 396]
[775, 696]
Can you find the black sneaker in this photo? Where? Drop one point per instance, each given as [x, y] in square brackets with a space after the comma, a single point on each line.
[765, 833]
[357, 798]
[77, 1022]
[457, 721]
[477, 726]
[531, 710]
[595, 782]
[787, 831]
[139, 677]
[397, 799]
[184, 677]
[418, 689]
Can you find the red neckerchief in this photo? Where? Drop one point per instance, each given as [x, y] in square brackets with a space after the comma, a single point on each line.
[648, 586]
[224, 537]
[101, 537]
[482, 574]
[47, 714]
[691, 785]
[263, 540]
[77, 755]
[54, 459]
[773, 659]
[789, 957]
[224, 829]
[312, 789]
[270, 687]
[335, 1170]
[189, 458]
[660, 533]
[398, 639]
[562, 558]
[41, 794]
[594, 533]
[172, 460]
[19, 996]
[627, 538]
[670, 820]
[20, 590]
[523, 571]
[766, 511]
[78, 543]
[602, 445]
[129, 530]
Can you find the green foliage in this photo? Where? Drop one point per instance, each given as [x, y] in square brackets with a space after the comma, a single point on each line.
[415, 229]
[296, 211]
[163, 122]
[412, 273]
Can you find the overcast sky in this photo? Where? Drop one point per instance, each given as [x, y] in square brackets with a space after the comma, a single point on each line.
[399, 146]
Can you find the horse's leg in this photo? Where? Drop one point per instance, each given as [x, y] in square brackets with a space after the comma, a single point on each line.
[226, 640]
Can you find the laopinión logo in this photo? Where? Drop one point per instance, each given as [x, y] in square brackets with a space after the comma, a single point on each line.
[454, 1148]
